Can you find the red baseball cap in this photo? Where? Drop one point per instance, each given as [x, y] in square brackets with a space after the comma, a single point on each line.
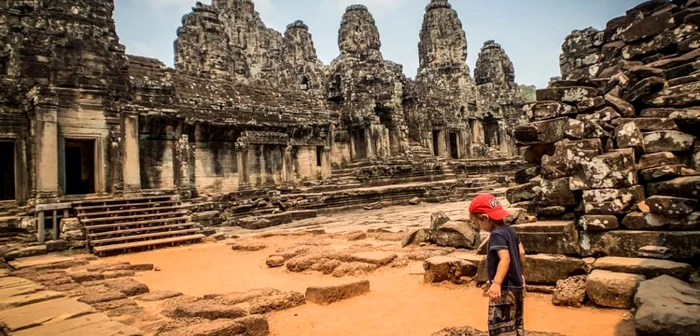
[488, 204]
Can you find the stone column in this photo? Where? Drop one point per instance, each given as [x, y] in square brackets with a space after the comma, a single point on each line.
[442, 145]
[182, 152]
[45, 127]
[326, 162]
[353, 153]
[131, 167]
[369, 142]
[242, 161]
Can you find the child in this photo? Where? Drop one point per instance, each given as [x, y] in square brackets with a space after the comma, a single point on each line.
[505, 260]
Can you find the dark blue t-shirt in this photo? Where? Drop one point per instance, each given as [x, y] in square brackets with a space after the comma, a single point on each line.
[505, 238]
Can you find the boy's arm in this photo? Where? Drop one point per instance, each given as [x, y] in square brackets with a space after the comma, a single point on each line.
[522, 257]
[503, 265]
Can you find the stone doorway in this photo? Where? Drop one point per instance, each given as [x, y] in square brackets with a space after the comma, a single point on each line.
[491, 137]
[454, 145]
[360, 144]
[436, 143]
[79, 167]
[7, 170]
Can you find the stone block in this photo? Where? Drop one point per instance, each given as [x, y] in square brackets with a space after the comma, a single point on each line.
[649, 268]
[654, 160]
[207, 310]
[588, 104]
[533, 154]
[444, 268]
[548, 269]
[549, 237]
[612, 201]
[655, 252]
[373, 257]
[437, 219]
[665, 173]
[570, 292]
[87, 276]
[554, 192]
[571, 95]
[567, 155]
[523, 192]
[667, 306]
[676, 96]
[687, 187]
[158, 296]
[649, 124]
[629, 135]
[523, 176]
[645, 88]
[516, 216]
[611, 289]
[668, 141]
[543, 110]
[416, 237]
[575, 129]
[540, 132]
[651, 221]
[598, 222]
[625, 109]
[647, 27]
[626, 243]
[209, 328]
[101, 296]
[30, 251]
[609, 170]
[266, 304]
[457, 234]
[669, 206]
[328, 294]
[480, 262]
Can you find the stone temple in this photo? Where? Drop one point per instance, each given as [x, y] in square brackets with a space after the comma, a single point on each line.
[247, 111]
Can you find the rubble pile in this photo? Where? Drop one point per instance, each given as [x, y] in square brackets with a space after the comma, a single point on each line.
[615, 153]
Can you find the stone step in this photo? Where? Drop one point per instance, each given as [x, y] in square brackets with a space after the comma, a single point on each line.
[87, 209]
[141, 237]
[98, 235]
[147, 243]
[130, 217]
[110, 201]
[107, 214]
[552, 237]
[127, 224]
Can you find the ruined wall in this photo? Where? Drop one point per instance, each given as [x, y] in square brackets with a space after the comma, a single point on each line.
[616, 144]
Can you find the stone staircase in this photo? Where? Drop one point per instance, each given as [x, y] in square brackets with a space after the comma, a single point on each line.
[8, 214]
[127, 225]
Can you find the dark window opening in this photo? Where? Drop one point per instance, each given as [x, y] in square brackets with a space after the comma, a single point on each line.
[436, 148]
[80, 167]
[357, 29]
[304, 83]
[360, 143]
[7, 170]
[454, 151]
[3, 65]
[319, 156]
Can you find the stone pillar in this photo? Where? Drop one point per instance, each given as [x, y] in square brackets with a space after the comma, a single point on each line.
[45, 127]
[288, 166]
[131, 167]
[326, 162]
[369, 142]
[182, 153]
[442, 145]
[353, 153]
[242, 160]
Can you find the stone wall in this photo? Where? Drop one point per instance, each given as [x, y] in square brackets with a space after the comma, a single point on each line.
[616, 143]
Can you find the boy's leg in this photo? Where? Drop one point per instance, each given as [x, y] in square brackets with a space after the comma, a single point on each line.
[503, 315]
[520, 312]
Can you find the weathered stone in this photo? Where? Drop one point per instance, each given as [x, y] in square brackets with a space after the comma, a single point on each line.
[629, 135]
[612, 201]
[670, 206]
[543, 110]
[647, 27]
[649, 268]
[26, 252]
[375, 257]
[651, 221]
[158, 296]
[207, 310]
[548, 269]
[266, 304]
[329, 294]
[458, 235]
[129, 287]
[687, 116]
[549, 237]
[102, 296]
[655, 252]
[575, 129]
[598, 222]
[554, 192]
[416, 237]
[611, 289]
[86, 276]
[540, 132]
[443, 268]
[676, 96]
[625, 109]
[523, 176]
[567, 94]
[437, 219]
[645, 88]
[683, 74]
[516, 216]
[567, 156]
[523, 192]
[570, 292]
[654, 160]
[667, 306]
[673, 141]
[610, 170]
[590, 103]
[478, 260]
[626, 243]
[686, 187]
[649, 124]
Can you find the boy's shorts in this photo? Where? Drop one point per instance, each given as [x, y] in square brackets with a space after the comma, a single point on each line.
[506, 314]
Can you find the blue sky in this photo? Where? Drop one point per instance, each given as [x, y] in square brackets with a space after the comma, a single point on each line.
[531, 31]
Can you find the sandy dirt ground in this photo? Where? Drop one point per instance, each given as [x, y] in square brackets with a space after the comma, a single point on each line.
[399, 303]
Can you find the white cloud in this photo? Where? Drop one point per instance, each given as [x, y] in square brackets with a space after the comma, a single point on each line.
[377, 7]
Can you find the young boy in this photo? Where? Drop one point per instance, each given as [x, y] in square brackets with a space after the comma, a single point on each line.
[505, 260]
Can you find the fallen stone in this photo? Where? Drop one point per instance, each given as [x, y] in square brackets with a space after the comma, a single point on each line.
[379, 258]
[275, 261]
[676, 96]
[142, 267]
[158, 296]
[444, 268]
[415, 201]
[437, 219]
[353, 269]
[457, 234]
[357, 235]
[669, 206]
[554, 192]
[523, 192]
[655, 252]
[572, 95]
[329, 294]
[649, 268]
[207, 310]
[57, 245]
[549, 269]
[610, 170]
[516, 216]
[645, 88]
[543, 110]
[540, 132]
[570, 292]
[416, 237]
[266, 304]
[686, 187]
[590, 103]
[613, 290]
[87, 276]
[663, 173]
[598, 222]
[625, 109]
[626, 243]
[667, 306]
[30, 251]
[242, 245]
[663, 141]
[647, 27]
[556, 237]
[612, 201]
[118, 274]
[649, 124]
[374, 206]
[129, 287]
[575, 129]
